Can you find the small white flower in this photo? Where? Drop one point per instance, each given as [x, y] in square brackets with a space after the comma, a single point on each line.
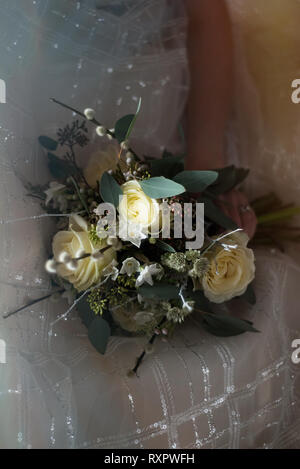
[130, 266]
[89, 114]
[111, 271]
[101, 131]
[54, 189]
[132, 232]
[146, 275]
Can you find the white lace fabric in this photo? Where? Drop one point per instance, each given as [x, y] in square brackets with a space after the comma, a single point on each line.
[194, 391]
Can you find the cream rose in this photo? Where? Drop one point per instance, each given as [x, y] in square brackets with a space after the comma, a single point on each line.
[230, 271]
[76, 239]
[99, 163]
[137, 207]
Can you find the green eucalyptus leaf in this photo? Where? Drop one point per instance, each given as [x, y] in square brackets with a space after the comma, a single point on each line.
[167, 166]
[99, 332]
[48, 143]
[228, 179]
[122, 127]
[222, 325]
[163, 246]
[60, 169]
[249, 295]
[201, 302]
[130, 128]
[161, 187]
[161, 291]
[196, 181]
[215, 214]
[110, 190]
[85, 313]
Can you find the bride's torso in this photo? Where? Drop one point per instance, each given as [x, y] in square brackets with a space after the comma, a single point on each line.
[267, 42]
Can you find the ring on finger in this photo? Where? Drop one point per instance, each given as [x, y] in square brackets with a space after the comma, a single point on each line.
[245, 208]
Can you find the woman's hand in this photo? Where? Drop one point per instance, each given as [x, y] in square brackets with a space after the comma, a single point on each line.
[236, 206]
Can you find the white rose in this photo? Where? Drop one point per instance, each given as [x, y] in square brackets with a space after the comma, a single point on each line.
[99, 163]
[137, 207]
[76, 239]
[231, 270]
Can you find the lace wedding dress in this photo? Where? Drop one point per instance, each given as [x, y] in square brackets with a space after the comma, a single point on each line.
[194, 391]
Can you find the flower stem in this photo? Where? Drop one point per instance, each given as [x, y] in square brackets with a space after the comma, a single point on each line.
[279, 215]
[151, 341]
[33, 302]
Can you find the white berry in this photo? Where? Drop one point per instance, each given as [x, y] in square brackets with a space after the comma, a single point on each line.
[101, 131]
[50, 266]
[89, 114]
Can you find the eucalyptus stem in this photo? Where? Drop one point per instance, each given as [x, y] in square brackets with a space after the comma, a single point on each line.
[33, 302]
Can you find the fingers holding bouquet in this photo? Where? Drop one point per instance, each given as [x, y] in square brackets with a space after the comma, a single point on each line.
[236, 206]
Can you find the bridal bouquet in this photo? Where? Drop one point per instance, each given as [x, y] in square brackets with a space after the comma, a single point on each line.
[141, 244]
[144, 245]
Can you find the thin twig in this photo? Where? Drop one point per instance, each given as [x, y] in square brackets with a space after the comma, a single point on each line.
[151, 341]
[33, 302]
[93, 121]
